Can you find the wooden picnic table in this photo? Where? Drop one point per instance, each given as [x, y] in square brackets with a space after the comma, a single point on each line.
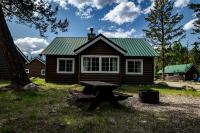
[102, 91]
[97, 92]
[91, 87]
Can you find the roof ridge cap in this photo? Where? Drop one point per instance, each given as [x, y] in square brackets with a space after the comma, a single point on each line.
[107, 37]
[125, 38]
[70, 37]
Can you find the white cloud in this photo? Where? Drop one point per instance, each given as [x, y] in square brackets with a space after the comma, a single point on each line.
[37, 52]
[98, 4]
[177, 3]
[189, 25]
[85, 13]
[85, 7]
[31, 46]
[61, 3]
[80, 3]
[181, 3]
[123, 13]
[140, 1]
[151, 7]
[119, 33]
[139, 35]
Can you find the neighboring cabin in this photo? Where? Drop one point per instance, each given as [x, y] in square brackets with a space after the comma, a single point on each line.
[4, 72]
[180, 72]
[36, 67]
[115, 60]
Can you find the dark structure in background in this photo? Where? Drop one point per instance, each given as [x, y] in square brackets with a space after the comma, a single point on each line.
[36, 67]
[4, 72]
[180, 72]
[114, 60]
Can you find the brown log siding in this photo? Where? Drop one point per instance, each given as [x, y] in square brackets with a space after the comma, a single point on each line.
[182, 76]
[35, 68]
[190, 73]
[53, 76]
[100, 48]
[148, 71]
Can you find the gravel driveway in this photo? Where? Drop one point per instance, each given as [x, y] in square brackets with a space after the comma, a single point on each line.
[181, 84]
[188, 105]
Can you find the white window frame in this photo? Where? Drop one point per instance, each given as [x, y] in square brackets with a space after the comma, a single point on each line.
[100, 63]
[27, 70]
[64, 72]
[171, 75]
[134, 73]
[43, 72]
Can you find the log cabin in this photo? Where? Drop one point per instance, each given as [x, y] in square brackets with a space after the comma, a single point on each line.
[98, 58]
[36, 67]
[4, 71]
[180, 72]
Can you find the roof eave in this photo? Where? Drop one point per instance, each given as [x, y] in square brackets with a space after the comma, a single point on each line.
[21, 53]
[103, 38]
[43, 62]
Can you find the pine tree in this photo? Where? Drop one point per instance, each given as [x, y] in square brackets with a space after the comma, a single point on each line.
[178, 54]
[195, 52]
[37, 14]
[196, 9]
[163, 27]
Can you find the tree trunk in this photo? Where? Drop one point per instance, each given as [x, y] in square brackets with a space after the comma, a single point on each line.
[163, 64]
[163, 45]
[13, 59]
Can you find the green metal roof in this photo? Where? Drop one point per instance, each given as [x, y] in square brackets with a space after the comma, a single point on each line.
[67, 45]
[182, 68]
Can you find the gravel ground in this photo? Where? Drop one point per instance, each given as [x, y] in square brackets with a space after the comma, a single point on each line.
[168, 103]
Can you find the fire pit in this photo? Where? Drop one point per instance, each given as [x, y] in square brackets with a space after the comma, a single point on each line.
[149, 96]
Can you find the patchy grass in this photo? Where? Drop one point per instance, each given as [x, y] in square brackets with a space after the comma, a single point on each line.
[164, 90]
[51, 109]
[4, 83]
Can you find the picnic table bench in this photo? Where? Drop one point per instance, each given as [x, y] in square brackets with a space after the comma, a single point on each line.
[97, 92]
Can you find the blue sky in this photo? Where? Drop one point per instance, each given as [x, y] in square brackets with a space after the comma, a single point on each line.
[113, 18]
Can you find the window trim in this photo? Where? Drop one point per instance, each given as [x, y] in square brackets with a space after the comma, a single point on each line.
[43, 70]
[100, 64]
[27, 70]
[64, 72]
[134, 73]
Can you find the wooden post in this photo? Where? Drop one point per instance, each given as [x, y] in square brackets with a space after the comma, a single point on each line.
[79, 67]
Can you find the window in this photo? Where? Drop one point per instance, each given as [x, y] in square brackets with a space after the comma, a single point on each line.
[91, 64]
[27, 70]
[194, 76]
[42, 72]
[109, 64]
[134, 66]
[99, 64]
[65, 65]
[170, 74]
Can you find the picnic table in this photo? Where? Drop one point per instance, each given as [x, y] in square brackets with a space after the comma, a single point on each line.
[97, 92]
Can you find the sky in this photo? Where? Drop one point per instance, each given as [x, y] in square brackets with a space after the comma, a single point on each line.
[113, 18]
